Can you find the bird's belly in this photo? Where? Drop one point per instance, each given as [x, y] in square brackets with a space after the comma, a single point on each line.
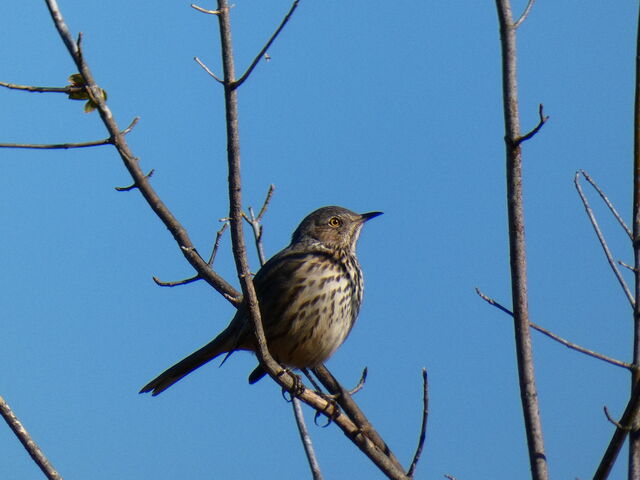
[319, 321]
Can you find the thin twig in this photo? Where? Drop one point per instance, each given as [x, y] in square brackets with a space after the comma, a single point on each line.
[203, 10]
[541, 122]
[627, 266]
[609, 205]
[525, 14]
[29, 88]
[133, 185]
[423, 427]
[359, 386]
[260, 55]
[263, 210]
[27, 442]
[619, 436]
[132, 164]
[206, 69]
[178, 283]
[306, 439]
[216, 244]
[603, 242]
[54, 146]
[557, 338]
[614, 421]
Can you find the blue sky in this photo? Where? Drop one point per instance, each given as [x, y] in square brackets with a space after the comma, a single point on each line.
[369, 105]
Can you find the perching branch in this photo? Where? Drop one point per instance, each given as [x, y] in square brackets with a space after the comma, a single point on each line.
[559, 339]
[27, 442]
[517, 245]
[362, 438]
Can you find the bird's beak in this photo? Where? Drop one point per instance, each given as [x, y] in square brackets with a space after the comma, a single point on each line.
[368, 216]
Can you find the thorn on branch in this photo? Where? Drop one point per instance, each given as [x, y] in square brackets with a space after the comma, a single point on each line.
[615, 422]
[541, 122]
[134, 185]
[186, 281]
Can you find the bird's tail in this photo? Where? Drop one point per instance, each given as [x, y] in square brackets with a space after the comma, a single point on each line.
[223, 343]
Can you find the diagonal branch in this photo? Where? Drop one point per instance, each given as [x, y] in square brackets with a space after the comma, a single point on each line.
[603, 242]
[607, 202]
[27, 442]
[253, 65]
[525, 14]
[559, 339]
[619, 436]
[132, 164]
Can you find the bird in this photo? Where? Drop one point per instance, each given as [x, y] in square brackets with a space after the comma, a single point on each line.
[309, 296]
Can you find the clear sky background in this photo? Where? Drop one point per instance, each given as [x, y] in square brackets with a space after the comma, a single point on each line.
[391, 106]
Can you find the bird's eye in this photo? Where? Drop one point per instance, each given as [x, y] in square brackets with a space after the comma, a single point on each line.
[334, 222]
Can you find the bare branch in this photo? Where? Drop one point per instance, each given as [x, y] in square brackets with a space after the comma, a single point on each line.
[387, 462]
[132, 164]
[628, 267]
[262, 53]
[525, 14]
[133, 185]
[69, 89]
[609, 205]
[517, 244]
[543, 120]
[54, 146]
[603, 242]
[559, 339]
[619, 436]
[306, 439]
[200, 9]
[178, 283]
[423, 427]
[614, 421]
[27, 442]
[263, 210]
[216, 244]
[206, 69]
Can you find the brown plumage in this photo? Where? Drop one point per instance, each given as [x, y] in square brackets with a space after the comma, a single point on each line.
[309, 296]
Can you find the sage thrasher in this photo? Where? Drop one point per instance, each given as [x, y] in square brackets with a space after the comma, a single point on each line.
[309, 296]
